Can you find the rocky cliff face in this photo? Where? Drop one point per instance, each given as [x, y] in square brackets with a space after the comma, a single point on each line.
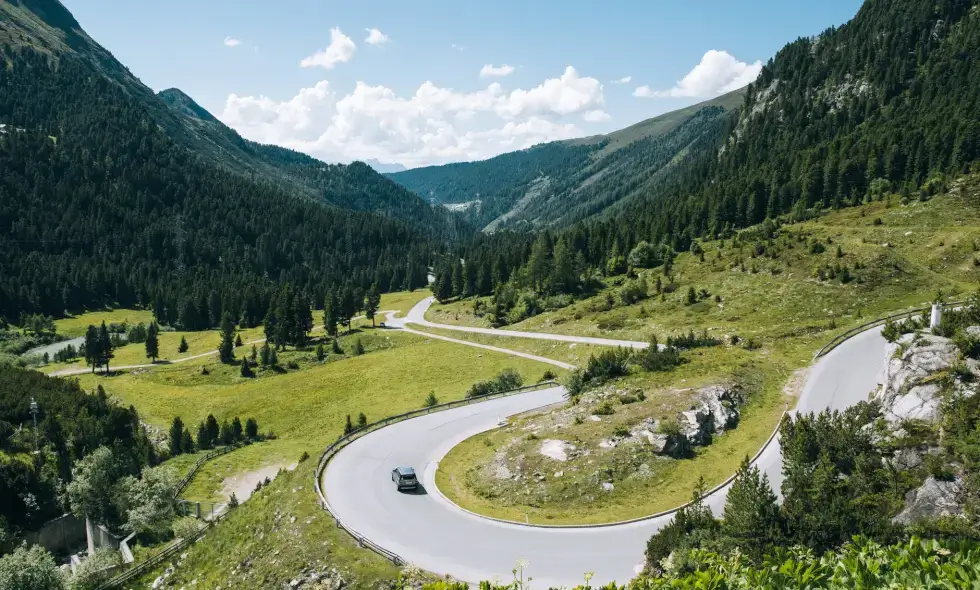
[923, 372]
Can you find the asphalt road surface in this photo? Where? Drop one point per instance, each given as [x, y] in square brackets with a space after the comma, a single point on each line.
[427, 530]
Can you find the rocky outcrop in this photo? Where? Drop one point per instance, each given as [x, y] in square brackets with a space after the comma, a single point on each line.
[907, 393]
[715, 410]
[933, 499]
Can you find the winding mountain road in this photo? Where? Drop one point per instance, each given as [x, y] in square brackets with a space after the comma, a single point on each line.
[431, 532]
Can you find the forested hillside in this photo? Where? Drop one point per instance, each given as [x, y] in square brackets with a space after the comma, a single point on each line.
[886, 103]
[109, 197]
[558, 183]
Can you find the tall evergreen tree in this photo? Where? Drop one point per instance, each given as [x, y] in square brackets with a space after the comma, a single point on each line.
[752, 521]
[371, 302]
[226, 350]
[105, 347]
[152, 343]
[176, 436]
[91, 346]
[331, 313]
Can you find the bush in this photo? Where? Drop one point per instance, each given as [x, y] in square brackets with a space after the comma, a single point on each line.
[186, 527]
[293, 365]
[507, 380]
[549, 375]
[634, 291]
[431, 400]
[604, 409]
[657, 359]
[692, 340]
[608, 364]
[304, 456]
[358, 349]
[30, 569]
[233, 501]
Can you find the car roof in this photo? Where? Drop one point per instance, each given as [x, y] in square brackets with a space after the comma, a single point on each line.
[405, 470]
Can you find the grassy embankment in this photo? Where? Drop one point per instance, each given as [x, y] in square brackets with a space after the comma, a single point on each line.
[773, 298]
[305, 407]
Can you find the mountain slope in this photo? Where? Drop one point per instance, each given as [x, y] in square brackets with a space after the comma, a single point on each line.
[109, 196]
[557, 183]
[356, 186]
[884, 104]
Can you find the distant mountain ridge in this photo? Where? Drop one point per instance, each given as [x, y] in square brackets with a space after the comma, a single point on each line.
[558, 183]
[114, 195]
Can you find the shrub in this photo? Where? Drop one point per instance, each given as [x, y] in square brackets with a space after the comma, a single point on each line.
[95, 571]
[431, 400]
[657, 359]
[304, 456]
[669, 427]
[621, 431]
[293, 365]
[358, 349]
[233, 501]
[634, 291]
[692, 340]
[186, 527]
[507, 380]
[604, 409]
[549, 375]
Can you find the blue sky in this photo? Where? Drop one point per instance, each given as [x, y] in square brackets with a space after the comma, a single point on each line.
[367, 101]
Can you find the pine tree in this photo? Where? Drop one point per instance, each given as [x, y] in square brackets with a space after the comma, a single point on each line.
[176, 436]
[321, 354]
[182, 348]
[361, 420]
[203, 442]
[431, 400]
[358, 348]
[186, 442]
[469, 278]
[91, 347]
[348, 427]
[105, 347]
[251, 429]
[252, 356]
[226, 350]
[266, 355]
[371, 302]
[273, 357]
[236, 428]
[238, 341]
[331, 313]
[152, 342]
[214, 431]
[457, 277]
[227, 435]
[348, 305]
[303, 321]
[247, 369]
[752, 521]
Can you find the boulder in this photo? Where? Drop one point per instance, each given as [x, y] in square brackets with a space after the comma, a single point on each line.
[715, 410]
[933, 499]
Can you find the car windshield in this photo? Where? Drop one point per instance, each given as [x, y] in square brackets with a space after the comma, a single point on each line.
[408, 476]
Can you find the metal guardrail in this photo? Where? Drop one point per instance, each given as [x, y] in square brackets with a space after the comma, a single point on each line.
[874, 323]
[186, 480]
[345, 440]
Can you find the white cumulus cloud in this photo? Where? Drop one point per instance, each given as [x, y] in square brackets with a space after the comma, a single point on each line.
[232, 42]
[596, 116]
[376, 37]
[433, 125]
[492, 71]
[623, 80]
[340, 50]
[719, 72]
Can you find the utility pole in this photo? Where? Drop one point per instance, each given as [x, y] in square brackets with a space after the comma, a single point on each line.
[34, 413]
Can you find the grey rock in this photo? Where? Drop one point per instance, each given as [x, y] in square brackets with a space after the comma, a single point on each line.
[902, 395]
[931, 500]
[907, 459]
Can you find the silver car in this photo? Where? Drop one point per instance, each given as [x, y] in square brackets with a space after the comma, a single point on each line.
[404, 478]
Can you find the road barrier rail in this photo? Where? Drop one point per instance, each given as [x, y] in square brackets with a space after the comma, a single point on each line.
[346, 439]
[840, 338]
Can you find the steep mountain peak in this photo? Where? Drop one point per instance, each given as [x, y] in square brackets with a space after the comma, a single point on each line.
[180, 102]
